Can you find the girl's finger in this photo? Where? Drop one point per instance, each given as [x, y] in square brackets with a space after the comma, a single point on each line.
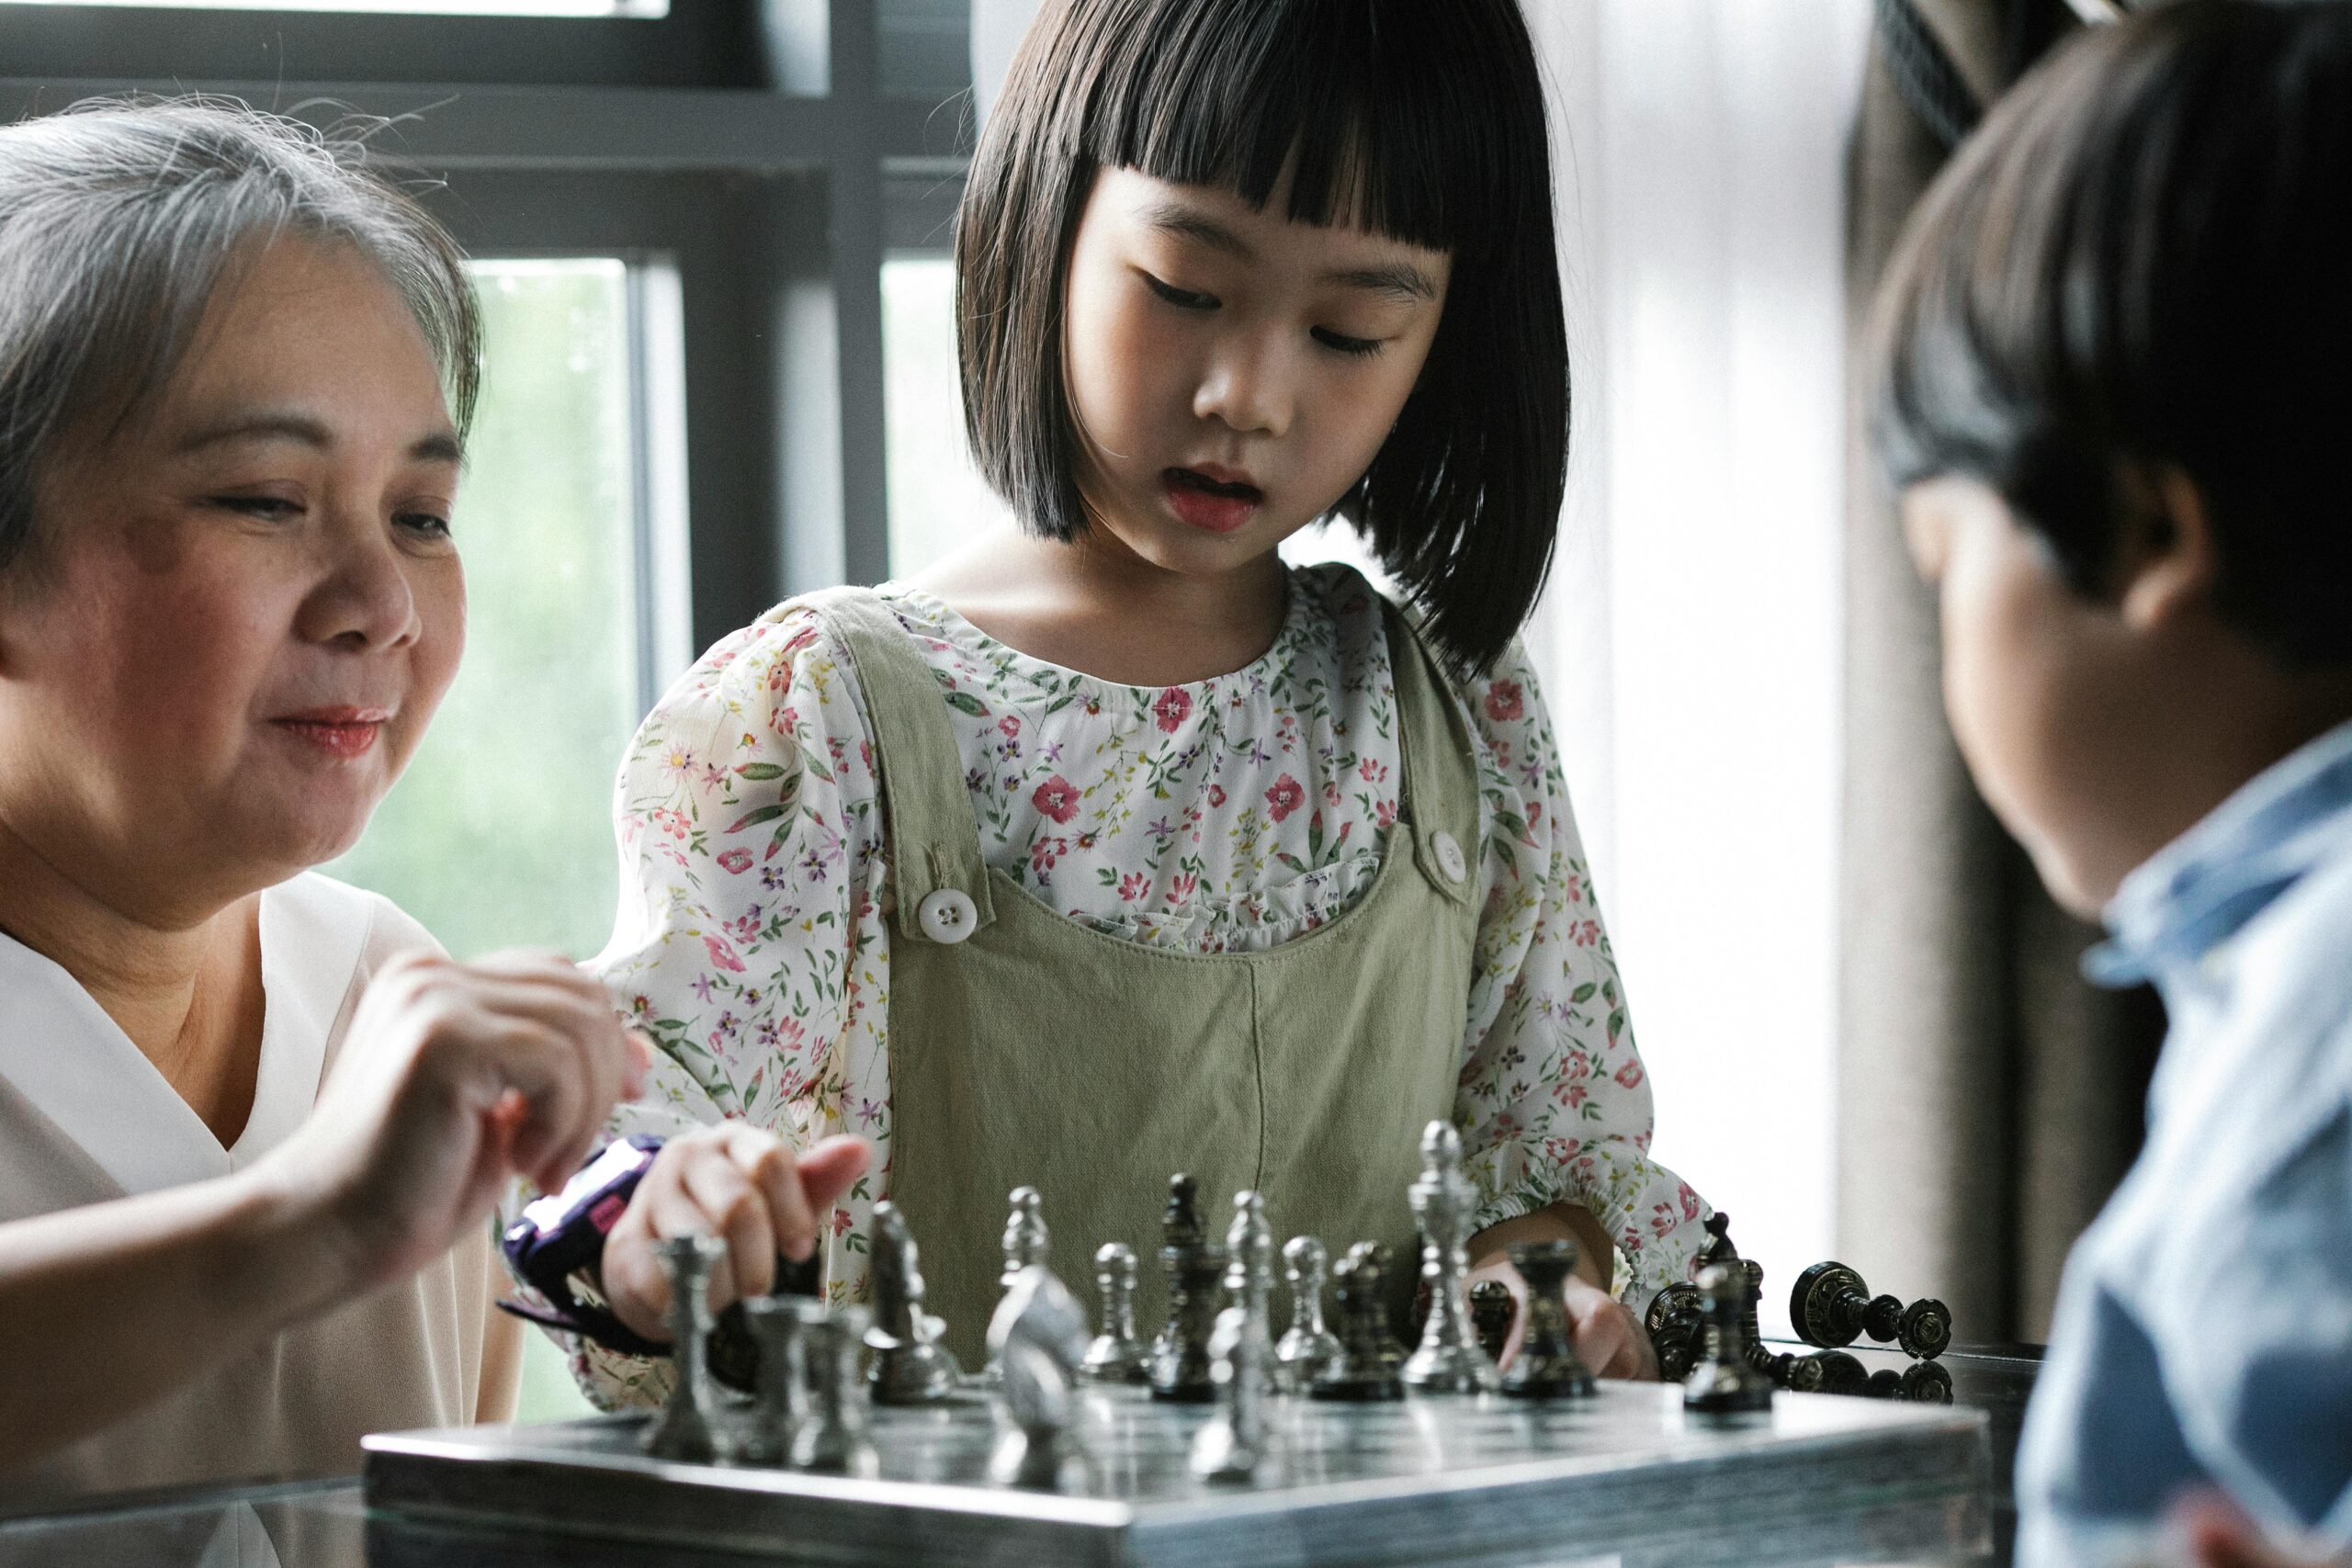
[736, 1210]
[768, 1162]
[831, 1169]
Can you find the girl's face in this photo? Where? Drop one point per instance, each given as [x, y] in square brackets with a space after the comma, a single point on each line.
[1232, 373]
[245, 607]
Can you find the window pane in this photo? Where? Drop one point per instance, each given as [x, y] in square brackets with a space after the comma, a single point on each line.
[498, 834]
[938, 503]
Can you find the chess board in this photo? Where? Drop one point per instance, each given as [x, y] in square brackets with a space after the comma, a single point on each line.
[1623, 1477]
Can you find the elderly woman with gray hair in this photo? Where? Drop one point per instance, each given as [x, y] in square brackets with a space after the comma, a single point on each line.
[252, 1122]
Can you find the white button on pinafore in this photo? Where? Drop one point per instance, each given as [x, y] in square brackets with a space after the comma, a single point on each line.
[1449, 856]
[948, 916]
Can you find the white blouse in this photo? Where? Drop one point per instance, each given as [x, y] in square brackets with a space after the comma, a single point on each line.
[85, 1118]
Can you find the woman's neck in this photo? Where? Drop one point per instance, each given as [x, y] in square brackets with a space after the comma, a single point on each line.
[188, 993]
[1107, 612]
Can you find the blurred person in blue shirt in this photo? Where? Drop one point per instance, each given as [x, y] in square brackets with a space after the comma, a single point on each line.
[2112, 381]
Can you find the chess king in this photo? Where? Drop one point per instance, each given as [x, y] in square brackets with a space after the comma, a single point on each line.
[1116, 847]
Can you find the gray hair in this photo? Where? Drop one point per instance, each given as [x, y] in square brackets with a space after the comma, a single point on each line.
[120, 218]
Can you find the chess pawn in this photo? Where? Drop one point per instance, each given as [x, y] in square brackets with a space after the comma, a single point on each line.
[1925, 1382]
[832, 1434]
[1116, 1355]
[1365, 1368]
[1026, 1245]
[910, 1367]
[1831, 1307]
[1194, 1267]
[1547, 1367]
[1723, 1384]
[687, 1429]
[1038, 1338]
[778, 1405]
[1677, 1322]
[1491, 1313]
[1448, 1359]
[1311, 1346]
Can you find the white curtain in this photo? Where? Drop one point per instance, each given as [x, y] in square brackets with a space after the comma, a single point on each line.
[1690, 638]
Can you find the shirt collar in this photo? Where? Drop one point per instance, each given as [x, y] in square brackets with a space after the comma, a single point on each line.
[2202, 888]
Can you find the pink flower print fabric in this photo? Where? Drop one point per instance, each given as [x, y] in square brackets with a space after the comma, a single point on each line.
[1227, 816]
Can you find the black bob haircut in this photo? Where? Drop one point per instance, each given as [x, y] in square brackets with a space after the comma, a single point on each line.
[1420, 120]
[2142, 262]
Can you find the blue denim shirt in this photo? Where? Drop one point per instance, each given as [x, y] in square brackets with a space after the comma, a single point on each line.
[2203, 1335]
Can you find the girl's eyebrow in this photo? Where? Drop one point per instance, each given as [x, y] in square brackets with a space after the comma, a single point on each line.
[1401, 280]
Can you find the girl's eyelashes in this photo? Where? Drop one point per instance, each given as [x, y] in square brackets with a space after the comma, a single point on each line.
[1190, 299]
[425, 524]
[1183, 299]
[267, 508]
[1355, 347]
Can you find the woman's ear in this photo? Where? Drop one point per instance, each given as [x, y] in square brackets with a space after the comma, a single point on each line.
[2167, 559]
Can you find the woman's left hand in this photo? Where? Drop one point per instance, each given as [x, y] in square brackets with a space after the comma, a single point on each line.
[1608, 1339]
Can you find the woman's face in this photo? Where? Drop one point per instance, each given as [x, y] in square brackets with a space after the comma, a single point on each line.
[1232, 373]
[241, 611]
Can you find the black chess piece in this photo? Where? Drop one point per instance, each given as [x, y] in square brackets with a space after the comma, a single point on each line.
[1547, 1366]
[1726, 1383]
[1925, 1382]
[1831, 1307]
[1677, 1321]
[1491, 1311]
[1885, 1383]
[734, 1354]
[1180, 1365]
[1370, 1359]
[1841, 1374]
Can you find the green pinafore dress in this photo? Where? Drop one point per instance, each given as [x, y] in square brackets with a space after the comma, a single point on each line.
[1028, 1050]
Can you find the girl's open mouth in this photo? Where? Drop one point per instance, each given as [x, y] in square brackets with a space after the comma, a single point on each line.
[1215, 506]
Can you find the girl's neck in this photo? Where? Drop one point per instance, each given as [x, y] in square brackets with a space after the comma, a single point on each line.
[187, 995]
[1101, 609]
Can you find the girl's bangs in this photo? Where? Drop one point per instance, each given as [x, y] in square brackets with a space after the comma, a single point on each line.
[1372, 108]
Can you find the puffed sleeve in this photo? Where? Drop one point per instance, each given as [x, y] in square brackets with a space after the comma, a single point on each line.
[1553, 1099]
[749, 946]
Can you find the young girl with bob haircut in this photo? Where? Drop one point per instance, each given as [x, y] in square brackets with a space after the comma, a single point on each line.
[1116, 849]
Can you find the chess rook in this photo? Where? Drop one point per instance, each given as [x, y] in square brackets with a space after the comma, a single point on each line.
[687, 1428]
[1547, 1366]
[1725, 1384]
[1194, 1268]
[1367, 1367]
[1116, 1355]
[1311, 1346]
[910, 1367]
[778, 1405]
[831, 1433]
[1448, 1359]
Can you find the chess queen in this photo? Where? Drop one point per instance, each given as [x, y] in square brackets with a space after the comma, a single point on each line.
[1114, 846]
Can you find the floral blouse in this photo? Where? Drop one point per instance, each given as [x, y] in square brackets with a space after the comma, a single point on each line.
[1228, 814]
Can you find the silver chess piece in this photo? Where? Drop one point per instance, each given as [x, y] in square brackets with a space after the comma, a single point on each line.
[910, 1367]
[1311, 1346]
[1038, 1339]
[1725, 1384]
[1241, 1351]
[1116, 1355]
[687, 1426]
[1448, 1359]
[777, 1402]
[831, 1433]
[1026, 1245]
